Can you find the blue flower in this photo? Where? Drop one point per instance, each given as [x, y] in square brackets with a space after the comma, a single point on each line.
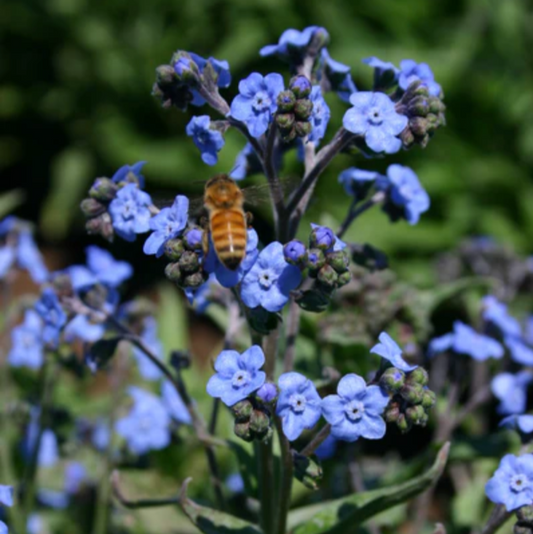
[295, 251]
[528, 330]
[338, 244]
[235, 483]
[80, 327]
[237, 375]
[48, 449]
[322, 237]
[75, 474]
[101, 435]
[521, 423]
[147, 369]
[374, 116]
[327, 448]
[356, 411]
[520, 352]
[270, 280]
[174, 404]
[293, 44]
[338, 76]
[6, 495]
[256, 103]
[246, 163]
[405, 195]
[511, 391]
[105, 268]
[220, 66]
[411, 71]
[52, 314]
[357, 182]
[299, 404]
[209, 141]
[167, 224]
[27, 349]
[465, 340]
[319, 116]
[122, 174]
[496, 314]
[225, 276]
[267, 392]
[388, 349]
[512, 483]
[385, 73]
[146, 427]
[129, 212]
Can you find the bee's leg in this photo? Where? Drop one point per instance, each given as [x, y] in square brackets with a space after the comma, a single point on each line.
[249, 219]
[205, 240]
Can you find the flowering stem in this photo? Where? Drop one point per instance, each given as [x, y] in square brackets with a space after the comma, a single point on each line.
[497, 518]
[311, 447]
[267, 510]
[270, 349]
[269, 165]
[293, 326]
[353, 212]
[285, 480]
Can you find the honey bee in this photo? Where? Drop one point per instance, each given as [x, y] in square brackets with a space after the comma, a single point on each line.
[228, 222]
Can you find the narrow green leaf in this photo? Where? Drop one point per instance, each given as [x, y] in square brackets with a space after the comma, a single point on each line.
[345, 515]
[211, 521]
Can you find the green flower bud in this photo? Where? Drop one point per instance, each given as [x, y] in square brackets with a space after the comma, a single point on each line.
[259, 422]
[415, 414]
[165, 75]
[407, 137]
[339, 260]
[315, 260]
[525, 514]
[392, 380]
[174, 249]
[418, 376]
[419, 106]
[300, 86]
[185, 68]
[418, 126]
[103, 189]
[173, 273]
[436, 105]
[101, 225]
[344, 279]
[287, 136]
[242, 430]
[428, 399]
[189, 262]
[285, 121]
[264, 436]
[285, 101]
[242, 411]
[307, 470]
[392, 412]
[328, 277]
[302, 128]
[412, 393]
[303, 108]
[92, 207]
[402, 424]
[195, 279]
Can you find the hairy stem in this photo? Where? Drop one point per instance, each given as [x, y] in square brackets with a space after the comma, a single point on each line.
[497, 518]
[313, 445]
[267, 513]
[285, 480]
[270, 348]
[293, 326]
[353, 212]
[269, 165]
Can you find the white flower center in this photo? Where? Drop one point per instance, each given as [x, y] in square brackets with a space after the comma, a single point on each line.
[297, 403]
[519, 482]
[266, 279]
[261, 101]
[240, 379]
[354, 410]
[128, 209]
[374, 116]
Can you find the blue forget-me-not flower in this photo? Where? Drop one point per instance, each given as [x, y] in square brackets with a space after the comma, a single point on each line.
[319, 116]
[411, 71]
[511, 390]
[520, 352]
[387, 348]
[52, 314]
[174, 403]
[292, 43]
[208, 140]
[521, 423]
[27, 345]
[495, 313]
[129, 212]
[122, 174]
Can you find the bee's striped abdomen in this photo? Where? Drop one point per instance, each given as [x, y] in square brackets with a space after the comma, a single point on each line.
[228, 232]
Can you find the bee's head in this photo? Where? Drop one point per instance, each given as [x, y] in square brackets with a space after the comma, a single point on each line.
[222, 192]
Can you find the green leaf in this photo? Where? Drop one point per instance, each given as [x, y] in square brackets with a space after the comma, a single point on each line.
[10, 200]
[211, 521]
[345, 515]
[103, 350]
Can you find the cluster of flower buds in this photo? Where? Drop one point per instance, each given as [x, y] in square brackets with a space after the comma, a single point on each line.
[411, 399]
[185, 255]
[425, 114]
[252, 420]
[307, 470]
[295, 109]
[524, 523]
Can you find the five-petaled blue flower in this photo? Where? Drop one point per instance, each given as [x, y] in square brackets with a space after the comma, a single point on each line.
[405, 195]
[496, 314]
[256, 103]
[167, 224]
[520, 352]
[357, 182]
[146, 427]
[319, 116]
[122, 174]
[389, 349]
[385, 73]
[411, 71]
[299, 404]
[465, 340]
[52, 314]
[208, 140]
[270, 280]
[356, 410]
[512, 483]
[292, 43]
[129, 212]
[237, 375]
[511, 390]
[174, 403]
[147, 369]
[338, 76]
[373, 115]
[27, 349]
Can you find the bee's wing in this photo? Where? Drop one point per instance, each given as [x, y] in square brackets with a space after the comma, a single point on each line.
[259, 194]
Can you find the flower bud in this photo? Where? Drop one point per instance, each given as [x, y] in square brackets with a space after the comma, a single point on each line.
[101, 225]
[408, 138]
[339, 260]
[428, 399]
[287, 136]
[402, 423]
[285, 101]
[103, 189]
[195, 279]
[184, 67]
[392, 380]
[285, 121]
[392, 412]
[418, 376]
[173, 273]
[242, 430]
[344, 279]
[300, 86]
[267, 392]
[418, 126]
[436, 105]
[525, 514]
[322, 238]
[165, 75]
[315, 259]
[193, 239]
[307, 470]
[62, 284]
[327, 276]
[412, 393]
[302, 128]
[92, 207]
[419, 107]
[264, 436]
[242, 411]
[96, 297]
[174, 249]
[303, 108]
[415, 414]
[295, 252]
[521, 529]
[259, 422]
[189, 262]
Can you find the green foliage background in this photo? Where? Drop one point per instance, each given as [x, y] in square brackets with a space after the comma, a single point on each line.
[76, 75]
